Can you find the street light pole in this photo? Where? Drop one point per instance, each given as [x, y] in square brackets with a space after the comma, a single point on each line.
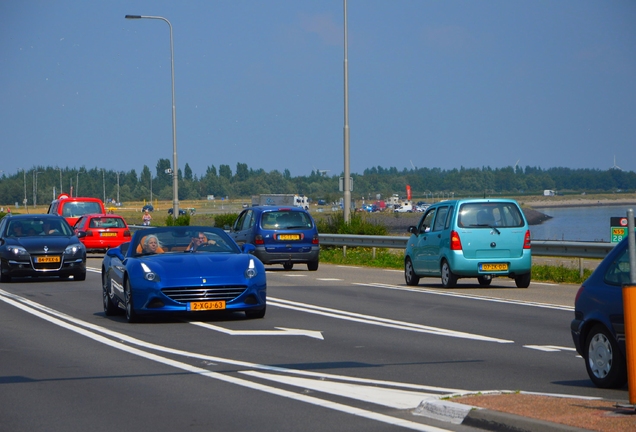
[25, 195]
[175, 169]
[346, 183]
[77, 183]
[117, 187]
[35, 195]
[104, 184]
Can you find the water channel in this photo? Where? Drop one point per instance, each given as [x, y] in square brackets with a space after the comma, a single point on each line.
[589, 223]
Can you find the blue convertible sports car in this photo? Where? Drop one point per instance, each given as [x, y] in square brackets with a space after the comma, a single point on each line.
[182, 269]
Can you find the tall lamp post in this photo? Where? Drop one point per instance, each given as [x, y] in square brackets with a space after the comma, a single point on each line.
[77, 182]
[175, 170]
[25, 196]
[60, 181]
[346, 181]
[35, 189]
[117, 187]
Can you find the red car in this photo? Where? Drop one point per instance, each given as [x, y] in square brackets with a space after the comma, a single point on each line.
[102, 231]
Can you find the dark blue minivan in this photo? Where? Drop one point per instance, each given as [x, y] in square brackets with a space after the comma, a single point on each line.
[281, 235]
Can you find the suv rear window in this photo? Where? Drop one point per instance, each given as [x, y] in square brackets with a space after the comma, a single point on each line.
[286, 220]
[79, 208]
[500, 214]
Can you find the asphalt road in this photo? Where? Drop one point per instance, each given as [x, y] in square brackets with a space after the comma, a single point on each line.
[340, 349]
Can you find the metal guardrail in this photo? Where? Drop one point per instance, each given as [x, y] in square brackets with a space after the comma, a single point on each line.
[553, 248]
[539, 247]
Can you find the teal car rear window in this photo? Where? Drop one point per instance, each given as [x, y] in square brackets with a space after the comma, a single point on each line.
[484, 215]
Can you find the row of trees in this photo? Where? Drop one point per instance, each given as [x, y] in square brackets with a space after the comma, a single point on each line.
[40, 184]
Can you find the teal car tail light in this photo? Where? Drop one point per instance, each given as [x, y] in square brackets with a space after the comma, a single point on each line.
[526, 241]
[455, 241]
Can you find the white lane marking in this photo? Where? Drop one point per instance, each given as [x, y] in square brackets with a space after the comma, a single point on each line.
[328, 279]
[282, 331]
[392, 398]
[295, 275]
[4, 296]
[384, 322]
[125, 338]
[549, 348]
[469, 296]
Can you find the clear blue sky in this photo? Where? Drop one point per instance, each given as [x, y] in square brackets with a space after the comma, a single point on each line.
[438, 84]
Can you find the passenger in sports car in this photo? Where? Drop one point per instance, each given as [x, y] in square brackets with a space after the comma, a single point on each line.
[200, 240]
[151, 245]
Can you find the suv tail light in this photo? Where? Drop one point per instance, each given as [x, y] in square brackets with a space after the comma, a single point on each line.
[455, 242]
[526, 240]
[258, 240]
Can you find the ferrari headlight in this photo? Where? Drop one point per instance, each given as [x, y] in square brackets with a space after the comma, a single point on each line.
[17, 250]
[72, 249]
[149, 274]
[251, 270]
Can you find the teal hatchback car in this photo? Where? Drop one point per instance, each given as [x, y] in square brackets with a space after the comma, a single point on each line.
[471, 238]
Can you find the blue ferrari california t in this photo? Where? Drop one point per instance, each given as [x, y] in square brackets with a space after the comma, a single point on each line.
[182, 269]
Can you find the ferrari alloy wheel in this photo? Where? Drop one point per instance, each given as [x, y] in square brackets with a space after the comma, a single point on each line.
[131, 315]
[109, 307]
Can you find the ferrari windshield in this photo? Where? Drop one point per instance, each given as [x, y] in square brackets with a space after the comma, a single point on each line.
[183, 240]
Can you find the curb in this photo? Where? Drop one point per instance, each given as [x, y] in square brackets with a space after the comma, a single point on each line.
[486, 419]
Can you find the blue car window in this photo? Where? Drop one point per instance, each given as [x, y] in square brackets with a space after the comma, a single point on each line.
[440, 220]
[618, 272]
[427, 220]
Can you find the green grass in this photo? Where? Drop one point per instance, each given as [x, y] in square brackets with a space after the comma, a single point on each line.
[393, 259]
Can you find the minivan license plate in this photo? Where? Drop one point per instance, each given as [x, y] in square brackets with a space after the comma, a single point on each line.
[494, 267]
[288, 236]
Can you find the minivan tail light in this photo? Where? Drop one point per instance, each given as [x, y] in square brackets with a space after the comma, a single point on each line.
[526, 241]
[455, 242]
[315, 240]
[258, 239]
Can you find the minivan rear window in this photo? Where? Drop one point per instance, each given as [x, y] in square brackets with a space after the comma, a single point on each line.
[286, 220]
[80, 208]
[488, 214]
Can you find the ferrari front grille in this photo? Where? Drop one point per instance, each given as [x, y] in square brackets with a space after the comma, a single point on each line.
[192, 294]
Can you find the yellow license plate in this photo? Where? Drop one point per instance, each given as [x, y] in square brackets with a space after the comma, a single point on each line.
[48, 259]
[206, 306]
[288, 236]
[494, 267]
[109, 234]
